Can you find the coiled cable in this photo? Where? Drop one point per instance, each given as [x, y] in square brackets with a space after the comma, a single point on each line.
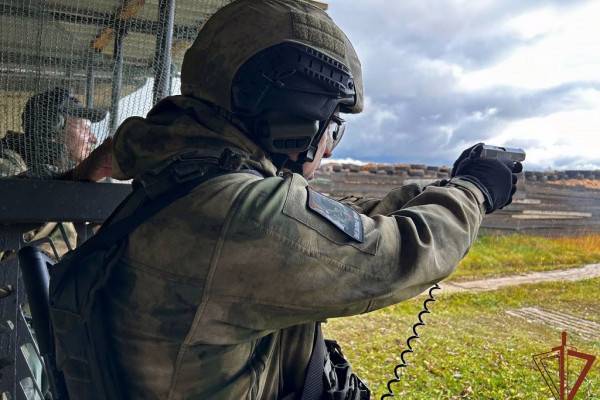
[403, 363]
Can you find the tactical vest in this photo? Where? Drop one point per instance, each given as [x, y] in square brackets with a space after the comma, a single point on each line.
[77, 282]
[82, 352]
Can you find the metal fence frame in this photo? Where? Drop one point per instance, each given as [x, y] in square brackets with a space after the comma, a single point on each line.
[26, 204]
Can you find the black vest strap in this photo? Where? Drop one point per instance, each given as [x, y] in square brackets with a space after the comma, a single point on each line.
[172, 182]
[313, 383]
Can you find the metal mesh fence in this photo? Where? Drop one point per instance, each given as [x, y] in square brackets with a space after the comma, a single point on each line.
[71, 71]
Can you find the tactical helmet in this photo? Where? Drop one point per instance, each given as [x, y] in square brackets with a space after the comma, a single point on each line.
[243, 28]
[237, 44]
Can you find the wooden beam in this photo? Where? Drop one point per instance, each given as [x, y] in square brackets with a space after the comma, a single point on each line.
[103, 39]
[127, 11]
[87, 16]
[130, 9]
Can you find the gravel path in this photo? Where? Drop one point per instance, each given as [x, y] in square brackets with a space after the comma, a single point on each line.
[562, 321]
[574, 274]
[589, 330]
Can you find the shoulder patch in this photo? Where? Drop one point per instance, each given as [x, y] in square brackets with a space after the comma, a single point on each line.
[340, 215]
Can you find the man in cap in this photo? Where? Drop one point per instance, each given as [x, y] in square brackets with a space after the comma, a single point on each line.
[57, 141]
[218, 295]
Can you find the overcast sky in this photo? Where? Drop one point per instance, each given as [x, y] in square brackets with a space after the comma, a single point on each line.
[441, 75]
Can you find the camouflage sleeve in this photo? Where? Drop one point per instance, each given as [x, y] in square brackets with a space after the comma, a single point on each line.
[391, 202]
[281, 263]
[52, 231]
[11, 164]
[363, 205]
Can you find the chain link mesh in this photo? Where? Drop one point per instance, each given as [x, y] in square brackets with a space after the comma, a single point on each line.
[116, 56]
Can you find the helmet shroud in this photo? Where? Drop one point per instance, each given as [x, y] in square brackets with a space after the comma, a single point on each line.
[287, 93]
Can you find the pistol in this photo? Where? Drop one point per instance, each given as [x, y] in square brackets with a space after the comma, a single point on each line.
[498, 153]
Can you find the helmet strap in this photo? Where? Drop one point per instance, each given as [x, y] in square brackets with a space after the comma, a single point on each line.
[294, 166]
[304, 157]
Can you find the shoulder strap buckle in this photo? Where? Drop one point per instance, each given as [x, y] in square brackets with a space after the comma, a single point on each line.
[186, 171]
[230, 160]
[187, 166]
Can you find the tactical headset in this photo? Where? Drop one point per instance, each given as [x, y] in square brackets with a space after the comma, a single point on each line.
[41, 114]
[288, 94]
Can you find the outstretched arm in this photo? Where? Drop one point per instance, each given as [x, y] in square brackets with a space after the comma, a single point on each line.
[391, 202]
[96, 166]
[283, 263]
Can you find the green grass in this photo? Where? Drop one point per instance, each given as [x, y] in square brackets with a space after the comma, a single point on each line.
[517, 254]
[470, 348]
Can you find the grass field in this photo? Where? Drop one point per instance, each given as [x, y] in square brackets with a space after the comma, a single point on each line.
[516, 254]
[470, 348]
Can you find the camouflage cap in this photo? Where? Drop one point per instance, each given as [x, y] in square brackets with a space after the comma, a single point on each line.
[245, 27]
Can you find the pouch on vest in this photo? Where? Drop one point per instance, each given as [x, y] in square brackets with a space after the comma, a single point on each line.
[329, 375]
[83, 353]
[341, 383]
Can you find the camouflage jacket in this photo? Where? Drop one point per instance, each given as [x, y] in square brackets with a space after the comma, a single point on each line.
[12, 164]
[216, 296]
[21, 155]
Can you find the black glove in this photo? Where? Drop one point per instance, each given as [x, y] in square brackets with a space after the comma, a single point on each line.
[463, 156]
[496, 179]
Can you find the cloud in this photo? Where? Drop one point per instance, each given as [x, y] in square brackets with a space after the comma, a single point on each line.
[416, 55]
[435, 129]
[475, 33]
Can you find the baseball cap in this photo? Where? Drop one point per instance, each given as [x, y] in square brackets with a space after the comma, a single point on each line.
[49, 105]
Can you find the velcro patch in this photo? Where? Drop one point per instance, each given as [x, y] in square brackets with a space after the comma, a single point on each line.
[340, 215]
[320, 32]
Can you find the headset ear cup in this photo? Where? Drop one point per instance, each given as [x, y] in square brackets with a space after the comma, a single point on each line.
[284, 133]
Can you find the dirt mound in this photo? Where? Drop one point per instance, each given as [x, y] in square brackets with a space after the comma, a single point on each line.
[586, 183]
